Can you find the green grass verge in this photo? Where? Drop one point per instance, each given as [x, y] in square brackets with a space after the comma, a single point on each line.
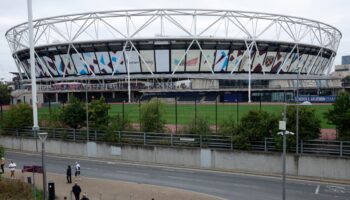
[186, 112]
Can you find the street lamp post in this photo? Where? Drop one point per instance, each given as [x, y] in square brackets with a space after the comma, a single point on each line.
[284, 132]
[42, 137]
[297, 115]
[87, 110]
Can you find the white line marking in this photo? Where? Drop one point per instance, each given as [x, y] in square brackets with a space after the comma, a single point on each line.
[317, 189]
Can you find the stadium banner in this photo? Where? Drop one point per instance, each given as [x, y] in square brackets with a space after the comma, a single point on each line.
[317, 99]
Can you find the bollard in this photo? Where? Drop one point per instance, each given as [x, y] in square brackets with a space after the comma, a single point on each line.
[51, 191]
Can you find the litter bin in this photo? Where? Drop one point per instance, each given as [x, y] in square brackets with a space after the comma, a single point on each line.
[51, 190]
[29, 180]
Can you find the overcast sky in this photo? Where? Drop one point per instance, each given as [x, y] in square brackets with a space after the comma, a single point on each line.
[13, 12]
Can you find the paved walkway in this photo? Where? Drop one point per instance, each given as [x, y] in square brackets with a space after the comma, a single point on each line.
[100, 189]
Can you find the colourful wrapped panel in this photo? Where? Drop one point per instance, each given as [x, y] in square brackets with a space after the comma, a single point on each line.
[118, 62]
[176, 56]
[106, 66]
[192, 61]
[207, 60]
[221, 61]
[91, 60]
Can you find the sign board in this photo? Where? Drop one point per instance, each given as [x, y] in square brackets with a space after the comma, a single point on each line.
[282, 125]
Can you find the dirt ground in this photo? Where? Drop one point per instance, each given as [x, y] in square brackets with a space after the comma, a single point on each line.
[100, 189]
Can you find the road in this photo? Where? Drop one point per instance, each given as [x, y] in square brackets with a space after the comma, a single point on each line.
[221, 184]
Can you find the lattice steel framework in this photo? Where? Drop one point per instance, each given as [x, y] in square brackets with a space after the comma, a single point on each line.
[193, 24]
[130, 25]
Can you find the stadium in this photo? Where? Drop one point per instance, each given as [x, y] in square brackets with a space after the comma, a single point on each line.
[206, 55]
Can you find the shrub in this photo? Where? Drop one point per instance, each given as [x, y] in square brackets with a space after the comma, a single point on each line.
[340, 115]
[74, 114]
[14, 189]
[228, 127]
[199, 126]
[151, 118]
[98, 113]
[18, 116]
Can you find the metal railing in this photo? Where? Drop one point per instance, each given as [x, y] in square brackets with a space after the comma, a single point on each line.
[320, 147]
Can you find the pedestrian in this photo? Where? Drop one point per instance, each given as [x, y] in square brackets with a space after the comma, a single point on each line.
[69, 174]
[77, 170]
[12, 167]
[84, 197]
[76, 191]
[2, 163]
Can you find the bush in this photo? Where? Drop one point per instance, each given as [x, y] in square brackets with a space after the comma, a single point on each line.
[257, 125]
[309, 126]
[254, 126]
[74, 114]
[228, 127]
[18, 116]
[117, 123]
[14, 189]
[340, 115]
[151, 118]
[199, 126]
[98, 113]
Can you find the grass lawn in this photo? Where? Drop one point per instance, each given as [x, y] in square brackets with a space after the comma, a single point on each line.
[186, 112]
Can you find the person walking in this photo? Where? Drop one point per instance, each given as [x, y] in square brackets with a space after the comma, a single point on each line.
[77, 170]
[69, 174]
[2, 163]
[12, 167]
[76, 191]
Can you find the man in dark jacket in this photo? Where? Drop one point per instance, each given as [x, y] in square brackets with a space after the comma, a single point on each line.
[76, 191]
[69, 174]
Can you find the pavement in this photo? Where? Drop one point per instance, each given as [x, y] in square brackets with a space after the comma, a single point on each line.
[101, 189]
[225, 185]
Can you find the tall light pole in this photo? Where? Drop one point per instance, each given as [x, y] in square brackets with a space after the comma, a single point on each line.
[297, 115]
[87, 110]
[42, 137]
[284, 132]
[32, 67]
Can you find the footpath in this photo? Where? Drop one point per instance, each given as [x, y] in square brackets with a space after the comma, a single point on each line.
[102, 189]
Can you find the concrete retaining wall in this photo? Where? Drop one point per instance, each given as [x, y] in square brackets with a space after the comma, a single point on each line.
[258, 162]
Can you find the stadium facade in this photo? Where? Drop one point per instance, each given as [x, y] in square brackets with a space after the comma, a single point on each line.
[130, 55]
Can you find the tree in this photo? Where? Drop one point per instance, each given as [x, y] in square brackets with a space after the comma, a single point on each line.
[309, 123]
[5, 94]
[151, 118]
[340, 115]
[74, 114]
[254, 126]
[309, 126]
[18, 116]
[98, 114]
[257, 125]
[117, 123]
[120, 123]
[199, 126]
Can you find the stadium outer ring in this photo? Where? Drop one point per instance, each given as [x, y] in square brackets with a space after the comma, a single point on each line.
[294, 30]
